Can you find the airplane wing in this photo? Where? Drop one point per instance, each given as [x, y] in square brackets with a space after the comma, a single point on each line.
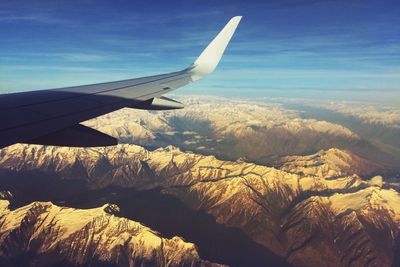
[52, 117]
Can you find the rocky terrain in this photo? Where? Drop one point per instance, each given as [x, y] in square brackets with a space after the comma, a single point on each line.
[378, 126]
[329, 164]
[372, 114]
[330, 208]
[287, 188]
[228, 129]
[43, 234]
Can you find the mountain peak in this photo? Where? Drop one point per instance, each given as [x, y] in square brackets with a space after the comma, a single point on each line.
[83, 236]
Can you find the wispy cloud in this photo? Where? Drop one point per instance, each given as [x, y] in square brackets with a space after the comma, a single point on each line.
[68, 57]
[9, 17]
[46, 68]
[309, 74]
[287, 4]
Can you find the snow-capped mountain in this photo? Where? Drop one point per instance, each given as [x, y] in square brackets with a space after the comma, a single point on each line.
[228, 129]
[43, 234]
[311, 210]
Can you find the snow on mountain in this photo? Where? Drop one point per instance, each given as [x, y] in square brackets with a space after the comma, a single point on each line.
[86, 237]
[373, 114]
[329, 163]
[227, 128]
[313, 210]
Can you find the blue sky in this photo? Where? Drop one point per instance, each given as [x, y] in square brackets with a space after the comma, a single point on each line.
[291, 48]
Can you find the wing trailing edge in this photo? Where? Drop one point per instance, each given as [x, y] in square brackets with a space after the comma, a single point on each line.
[75, 136]
[158, 103]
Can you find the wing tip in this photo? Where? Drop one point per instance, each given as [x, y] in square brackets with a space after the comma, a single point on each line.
[210, 57]
[236, 19]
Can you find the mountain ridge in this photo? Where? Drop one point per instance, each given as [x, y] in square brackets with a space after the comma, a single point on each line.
[80, 237]
[294, 209]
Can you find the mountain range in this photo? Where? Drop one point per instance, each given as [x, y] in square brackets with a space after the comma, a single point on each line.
[306, 209]
[219, 182]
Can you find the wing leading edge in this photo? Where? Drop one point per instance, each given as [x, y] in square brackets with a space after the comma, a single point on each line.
[53, 116]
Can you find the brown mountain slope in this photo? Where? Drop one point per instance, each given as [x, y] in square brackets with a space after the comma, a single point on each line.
[229, 129]
[311, 214]
[329, 164]
[44, 234]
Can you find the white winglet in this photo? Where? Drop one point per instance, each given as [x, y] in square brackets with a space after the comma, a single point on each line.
[210, 57]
